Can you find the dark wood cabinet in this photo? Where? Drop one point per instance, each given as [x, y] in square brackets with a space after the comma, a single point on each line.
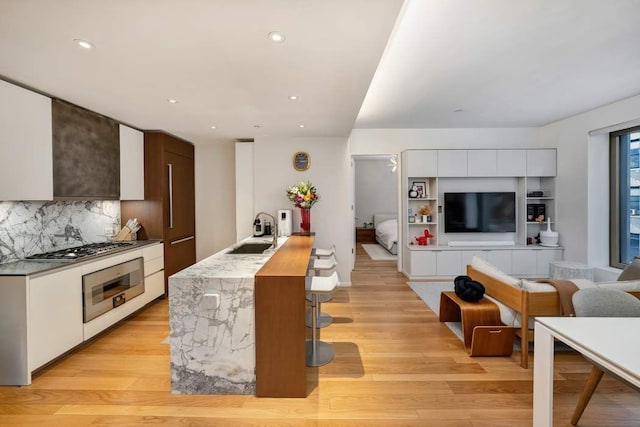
[365, 235]
[168, 211]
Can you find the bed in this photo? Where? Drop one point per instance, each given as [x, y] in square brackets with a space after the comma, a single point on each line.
[386, 226]
[523, 299]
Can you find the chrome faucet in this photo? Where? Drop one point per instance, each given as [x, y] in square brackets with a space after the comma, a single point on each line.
[274, 230]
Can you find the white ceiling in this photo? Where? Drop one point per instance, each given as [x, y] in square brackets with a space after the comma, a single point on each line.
[505, 63]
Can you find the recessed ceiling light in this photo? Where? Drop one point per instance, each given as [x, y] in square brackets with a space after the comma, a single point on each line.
[458, 110]
[276, 37]
[293, 97]
[300, 126]
[213, 127]
[172, 101]
[84, 44]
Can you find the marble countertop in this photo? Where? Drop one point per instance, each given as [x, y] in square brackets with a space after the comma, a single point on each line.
[30, 267]
[232, 266]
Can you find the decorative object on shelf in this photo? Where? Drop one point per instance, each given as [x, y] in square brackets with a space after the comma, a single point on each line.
[304, 196]
[548, 237]
[531, 212]
[413, 192]
[421, 188]
[424, 240]
[535, 193]
[425, 212]
[412, 219]
[301, 161]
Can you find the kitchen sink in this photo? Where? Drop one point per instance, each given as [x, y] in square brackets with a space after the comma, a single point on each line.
[250, 248]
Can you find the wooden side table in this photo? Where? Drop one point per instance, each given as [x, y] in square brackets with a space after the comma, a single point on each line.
[365, 235]
[483, 331]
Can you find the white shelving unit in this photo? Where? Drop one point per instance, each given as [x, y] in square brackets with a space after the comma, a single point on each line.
[519, 170]
[414, 204]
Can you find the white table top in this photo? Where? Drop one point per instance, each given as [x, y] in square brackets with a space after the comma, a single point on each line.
[613, 342]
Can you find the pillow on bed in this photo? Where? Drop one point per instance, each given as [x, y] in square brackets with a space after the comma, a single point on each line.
[491, 270]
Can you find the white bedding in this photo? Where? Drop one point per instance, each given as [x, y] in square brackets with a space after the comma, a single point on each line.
[387, 235]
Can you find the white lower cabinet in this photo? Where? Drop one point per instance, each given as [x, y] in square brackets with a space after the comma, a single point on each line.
[423, 263]
[55, 321]
[544, 258]
[501, 259]
[448, 263]
[524, 262]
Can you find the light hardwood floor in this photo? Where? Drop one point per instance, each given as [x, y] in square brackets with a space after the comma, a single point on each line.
[396, 365]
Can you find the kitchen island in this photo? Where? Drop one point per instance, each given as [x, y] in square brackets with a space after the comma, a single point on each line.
[224, 313]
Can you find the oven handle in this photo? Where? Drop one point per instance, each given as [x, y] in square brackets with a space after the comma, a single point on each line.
[170, 195]
[175, 242]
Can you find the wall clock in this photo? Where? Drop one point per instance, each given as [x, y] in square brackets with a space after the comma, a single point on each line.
[301, 161]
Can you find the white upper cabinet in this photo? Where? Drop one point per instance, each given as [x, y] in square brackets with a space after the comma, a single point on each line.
[512, 162]
[26, 153]
[421, 163]
[452, 163]
[482, 163]
[131, 164]
[541, 162]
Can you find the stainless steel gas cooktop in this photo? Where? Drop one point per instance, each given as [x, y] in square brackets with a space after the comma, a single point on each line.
[72, 254]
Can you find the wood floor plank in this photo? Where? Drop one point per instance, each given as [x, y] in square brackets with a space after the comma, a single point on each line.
[395, 365]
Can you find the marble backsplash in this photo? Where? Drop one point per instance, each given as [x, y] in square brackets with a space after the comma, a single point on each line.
[28, 228]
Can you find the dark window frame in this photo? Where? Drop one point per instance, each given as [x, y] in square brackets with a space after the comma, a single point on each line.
[619, 149]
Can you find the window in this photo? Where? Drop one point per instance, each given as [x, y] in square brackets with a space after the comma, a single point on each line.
[625, 196]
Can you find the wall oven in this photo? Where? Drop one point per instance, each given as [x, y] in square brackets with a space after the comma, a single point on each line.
[111, 287]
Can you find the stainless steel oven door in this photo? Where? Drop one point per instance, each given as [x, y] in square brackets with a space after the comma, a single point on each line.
[111, 287]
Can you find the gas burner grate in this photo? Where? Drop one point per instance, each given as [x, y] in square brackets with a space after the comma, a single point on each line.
[71, 254]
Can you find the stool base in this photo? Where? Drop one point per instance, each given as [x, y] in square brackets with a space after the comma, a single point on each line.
[324, 320]
[323, 355]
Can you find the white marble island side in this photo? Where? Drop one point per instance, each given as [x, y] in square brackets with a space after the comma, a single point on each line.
[212, 323]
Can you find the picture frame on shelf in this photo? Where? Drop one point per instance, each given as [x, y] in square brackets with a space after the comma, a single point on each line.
[421, 188]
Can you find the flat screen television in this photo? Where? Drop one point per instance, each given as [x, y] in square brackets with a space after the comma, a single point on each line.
[480, 212]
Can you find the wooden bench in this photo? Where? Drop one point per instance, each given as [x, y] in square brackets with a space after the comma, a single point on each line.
[483, 332]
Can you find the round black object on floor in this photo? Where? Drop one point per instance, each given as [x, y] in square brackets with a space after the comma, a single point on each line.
[467, 289]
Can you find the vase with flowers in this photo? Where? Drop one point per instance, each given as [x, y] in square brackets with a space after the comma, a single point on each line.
[303, 195]
[425, 212]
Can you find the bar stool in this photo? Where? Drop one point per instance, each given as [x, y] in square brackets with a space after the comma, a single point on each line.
[318, 352]
[323, 253]
[319, 265]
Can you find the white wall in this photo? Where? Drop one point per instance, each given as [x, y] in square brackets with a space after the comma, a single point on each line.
[244, 190]
[394, 141]
[580, 177]
[376, 188]
[330, 172]
[215, 197]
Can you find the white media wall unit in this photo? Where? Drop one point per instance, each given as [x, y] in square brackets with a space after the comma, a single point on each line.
[428, 174]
